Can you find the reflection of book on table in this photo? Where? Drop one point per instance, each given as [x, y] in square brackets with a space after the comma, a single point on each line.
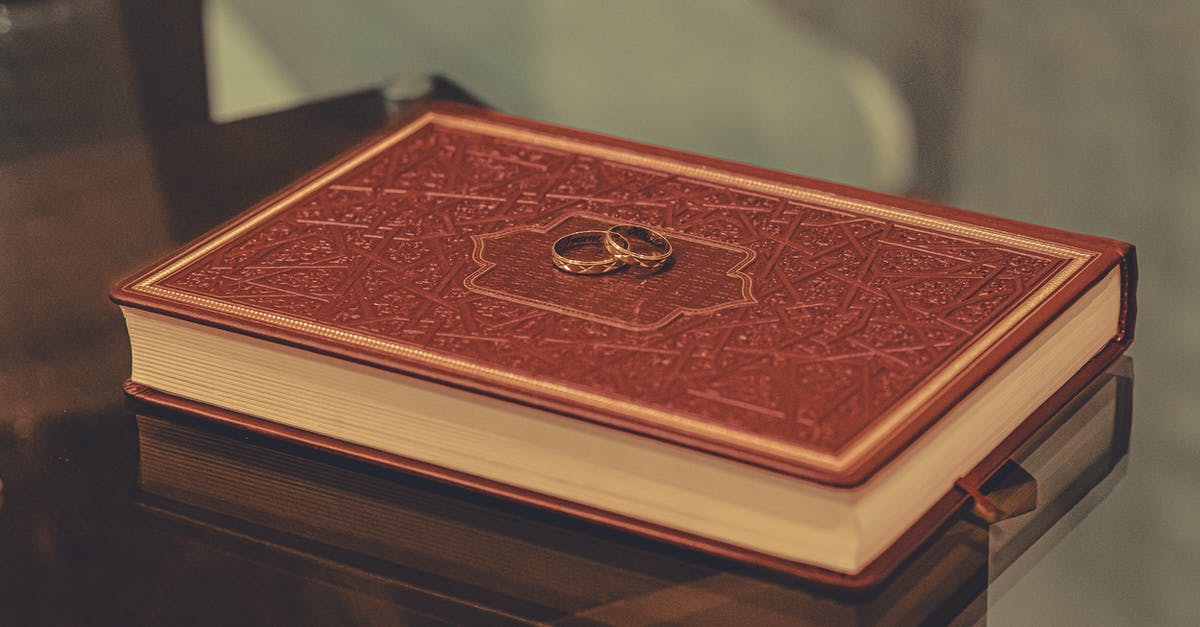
[512, 561]
[1077, 465]
[815, 378]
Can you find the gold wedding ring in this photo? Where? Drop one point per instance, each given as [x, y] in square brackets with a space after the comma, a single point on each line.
[616, 248]
[619, 240]
[565, 250]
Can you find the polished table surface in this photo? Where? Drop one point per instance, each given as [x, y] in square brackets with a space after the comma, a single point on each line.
[1069, 115]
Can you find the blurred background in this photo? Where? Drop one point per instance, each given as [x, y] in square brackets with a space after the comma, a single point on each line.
[129, 127]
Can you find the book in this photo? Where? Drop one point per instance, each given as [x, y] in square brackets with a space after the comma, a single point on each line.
[412, 542]
[816, 377]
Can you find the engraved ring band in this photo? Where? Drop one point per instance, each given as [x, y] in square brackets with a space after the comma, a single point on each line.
[564, 252]
[619, 240]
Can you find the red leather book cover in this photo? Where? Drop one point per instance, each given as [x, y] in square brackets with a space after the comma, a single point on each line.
[810, 328]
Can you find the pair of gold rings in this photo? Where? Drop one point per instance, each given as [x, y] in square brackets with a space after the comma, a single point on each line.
[615, 247]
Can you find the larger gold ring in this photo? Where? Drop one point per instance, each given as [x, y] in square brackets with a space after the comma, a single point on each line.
[618, 240]
[568, 244]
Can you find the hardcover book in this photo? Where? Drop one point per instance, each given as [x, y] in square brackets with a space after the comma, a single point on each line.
[327, 518]
[808, 376]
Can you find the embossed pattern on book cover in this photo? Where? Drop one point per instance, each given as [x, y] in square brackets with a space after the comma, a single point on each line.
[791, 320]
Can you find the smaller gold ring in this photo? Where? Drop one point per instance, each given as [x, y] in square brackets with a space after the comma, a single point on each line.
[583, 239]
[622, 250]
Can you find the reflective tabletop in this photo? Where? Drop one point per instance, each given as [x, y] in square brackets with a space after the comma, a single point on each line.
[128, 128]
